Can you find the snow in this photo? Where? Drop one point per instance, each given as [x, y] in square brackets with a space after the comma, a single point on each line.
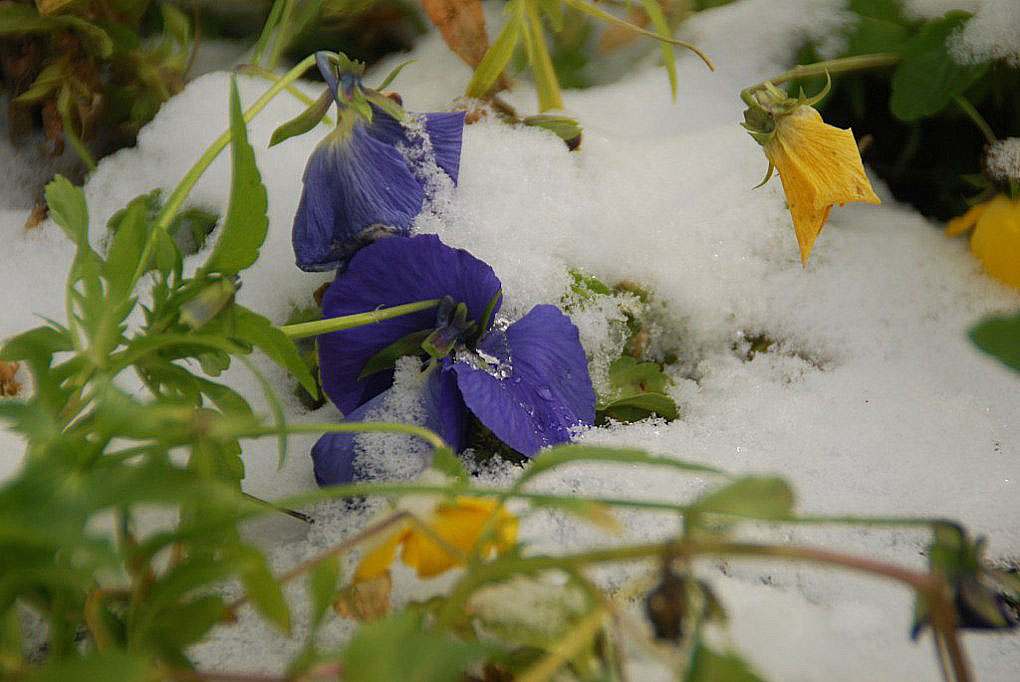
[1002, 159]
[871, 400]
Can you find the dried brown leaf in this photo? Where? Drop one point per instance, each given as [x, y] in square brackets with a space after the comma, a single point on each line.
[462, 25]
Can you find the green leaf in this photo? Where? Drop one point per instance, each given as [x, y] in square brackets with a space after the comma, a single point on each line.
[444, 460]
[639, 406]
[388, 356]
[305, 121]
[129, 235]
[709, 666]
[93, 38]
[662, 26]
[99, 667]
[879, 27]
[38, 342]
[246, 224]
[322, 585]
[393, 74]
[264, 590]
[498, 55]
[17, 18]
[637, 390]
[565, 454]
[423, 656]
[758, 497]
[68, 208]
[187, 623]
[1000, 338]
[537, 50]
[257, 330]
[928, 79]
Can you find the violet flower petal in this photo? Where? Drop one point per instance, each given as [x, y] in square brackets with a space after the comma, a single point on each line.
[334, 458]
[393, 271]
[352, 184]
[445, 132]
[538, 388]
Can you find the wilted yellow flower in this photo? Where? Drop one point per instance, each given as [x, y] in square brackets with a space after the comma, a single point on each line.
[996, 238]
[819, 165]
[458, 524]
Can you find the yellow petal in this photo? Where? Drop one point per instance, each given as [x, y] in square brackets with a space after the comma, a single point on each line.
[377, 561]
[996, 239]
[967, 221]
[819, 165]
[459, 525]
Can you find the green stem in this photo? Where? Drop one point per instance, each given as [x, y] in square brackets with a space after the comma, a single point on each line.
[264, 74]
[280, 42]
[974, 116]
[185, 186]
[840, 65]
[335, 324]
[504, 566]
[426, 435]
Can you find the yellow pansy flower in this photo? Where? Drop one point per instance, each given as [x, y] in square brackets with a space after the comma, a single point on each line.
[996, 238]
[819, 164]
[459, 524]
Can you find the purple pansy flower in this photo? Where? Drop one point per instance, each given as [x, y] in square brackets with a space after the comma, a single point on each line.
[527, 381]
[372, 174]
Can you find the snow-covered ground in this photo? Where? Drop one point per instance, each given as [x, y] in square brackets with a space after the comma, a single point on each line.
[870, 402]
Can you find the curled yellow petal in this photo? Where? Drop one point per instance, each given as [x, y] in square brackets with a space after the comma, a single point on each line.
[819, 166]
[966, 222]
[377, 561]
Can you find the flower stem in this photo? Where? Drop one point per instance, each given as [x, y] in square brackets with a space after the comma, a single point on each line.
[841, 65]
[982, 125]
[335, 324]
[185, 186]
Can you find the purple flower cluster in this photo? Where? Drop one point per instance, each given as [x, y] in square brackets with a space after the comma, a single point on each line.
[527, 382]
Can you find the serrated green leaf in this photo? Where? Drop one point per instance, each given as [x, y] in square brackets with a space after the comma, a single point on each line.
[305, 121]
[1000, 338]
[928, 78]
[41, 341]
[709, 666]
[388, 356]
[497, 56]
[424, 656]
[759, 497]
[322, 585]
[68, 208]
[565, 454]
[122, 666]
[537, 50]
[126, 247]
[257, 330]
[246, 224]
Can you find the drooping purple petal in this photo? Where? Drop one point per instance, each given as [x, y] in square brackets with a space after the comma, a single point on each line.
[531, 385]
[444, 405]
[354, 188]
[393, 271]
[445, 132]
[334, 456]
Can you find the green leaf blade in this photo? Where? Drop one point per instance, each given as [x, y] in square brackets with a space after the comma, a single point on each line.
[928, 78]
[246, 224]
